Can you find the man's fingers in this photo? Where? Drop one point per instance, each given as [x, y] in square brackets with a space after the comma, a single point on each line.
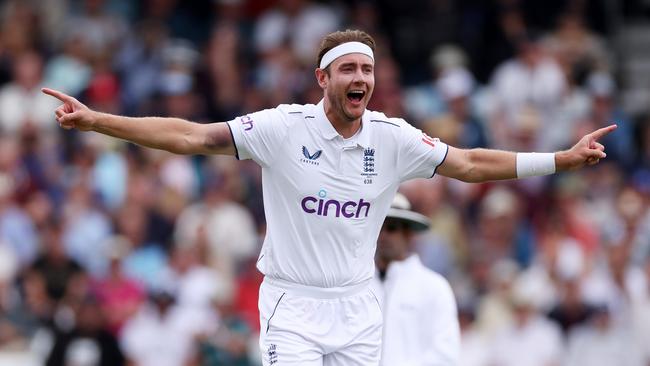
[596, 154]
[68, 119]
[593, 161]
[599, 146]
[58, 95]
[599, 133]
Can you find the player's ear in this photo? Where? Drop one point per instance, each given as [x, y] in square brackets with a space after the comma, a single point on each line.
[322, 76]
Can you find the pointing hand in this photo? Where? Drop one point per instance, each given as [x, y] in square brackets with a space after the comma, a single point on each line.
[72, 113]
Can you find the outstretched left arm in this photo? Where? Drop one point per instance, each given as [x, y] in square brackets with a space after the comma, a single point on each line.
[481, 165]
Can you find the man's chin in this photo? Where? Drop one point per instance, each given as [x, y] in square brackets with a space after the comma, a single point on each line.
[354, 113]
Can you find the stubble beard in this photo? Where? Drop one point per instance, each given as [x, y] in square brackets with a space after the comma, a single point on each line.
[339, 106]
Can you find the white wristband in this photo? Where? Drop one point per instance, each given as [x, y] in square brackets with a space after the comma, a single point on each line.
[535, 164]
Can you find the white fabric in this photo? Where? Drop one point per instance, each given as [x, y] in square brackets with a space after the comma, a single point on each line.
[527, 100]
[19, 106]
[594, 346]
[344, 49]
[420, 316]
[599, 287]
[297, 330]
[516, 84]
[306, 163]
[178, 173]
[198, 287]
[230, 230]
[535, 164]
[476, 348]
[152, 339]
[640, 315]
[538, 342]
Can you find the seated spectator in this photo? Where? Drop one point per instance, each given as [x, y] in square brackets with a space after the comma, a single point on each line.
[25, 90]
[229, 344]
[118, 296]
[88, 342]
[53, 265]
[601, 342]
[531, 339]
[162, 333]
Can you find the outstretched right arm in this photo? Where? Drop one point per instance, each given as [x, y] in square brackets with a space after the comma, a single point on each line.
[171, 134]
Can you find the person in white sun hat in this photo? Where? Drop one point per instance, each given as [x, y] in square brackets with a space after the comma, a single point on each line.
[420, 314]
[329, 174]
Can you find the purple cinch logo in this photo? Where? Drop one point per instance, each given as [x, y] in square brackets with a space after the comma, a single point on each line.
[247, 121]
[322, 207]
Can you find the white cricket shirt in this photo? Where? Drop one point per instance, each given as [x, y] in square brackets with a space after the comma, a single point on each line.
[326, 197]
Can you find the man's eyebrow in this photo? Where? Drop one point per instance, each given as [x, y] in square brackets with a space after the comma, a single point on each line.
[350, 63]
[353, 63]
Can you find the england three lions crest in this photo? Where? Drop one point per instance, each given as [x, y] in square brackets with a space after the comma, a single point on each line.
[368, 165]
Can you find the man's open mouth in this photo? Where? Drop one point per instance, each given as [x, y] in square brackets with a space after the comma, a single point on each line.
[356, 95]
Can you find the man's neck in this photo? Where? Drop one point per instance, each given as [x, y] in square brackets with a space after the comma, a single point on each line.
[347, 129]
[341, 124]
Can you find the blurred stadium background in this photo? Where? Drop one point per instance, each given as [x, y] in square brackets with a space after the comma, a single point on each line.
[110, 253]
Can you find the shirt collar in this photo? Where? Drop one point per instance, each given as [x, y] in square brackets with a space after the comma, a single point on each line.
[324, 126]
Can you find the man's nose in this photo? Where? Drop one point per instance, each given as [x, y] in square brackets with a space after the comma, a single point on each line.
[359, 76]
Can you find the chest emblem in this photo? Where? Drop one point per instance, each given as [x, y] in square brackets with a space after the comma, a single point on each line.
[368, 165]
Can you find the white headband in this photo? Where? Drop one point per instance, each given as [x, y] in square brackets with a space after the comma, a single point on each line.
[344, 49]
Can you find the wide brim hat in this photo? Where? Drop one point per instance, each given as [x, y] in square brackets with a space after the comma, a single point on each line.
[400, 210]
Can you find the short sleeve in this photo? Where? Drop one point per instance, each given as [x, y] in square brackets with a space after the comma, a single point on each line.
[259, 135]
[419, 154]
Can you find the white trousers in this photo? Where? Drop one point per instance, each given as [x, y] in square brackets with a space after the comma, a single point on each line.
[310, 326]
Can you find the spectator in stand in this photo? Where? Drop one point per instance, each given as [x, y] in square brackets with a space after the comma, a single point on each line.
[458, 124]
[232, 342]
[474, 345]
[601, 342]
[146, 261]
[163, 333]
[247, 292]
[118, 296]
[98, 29]
[20, 102]
[70, 69]
[530, 339]
[12, 337]
[601, 87]
[503, 231]
[575, 46]
[88, 343]
[86, 228]
[641, 313]
[615, 281]
[228, 227]
[300, 22]
[53, 265]
[571, 311]
[17, 229]
[196, 282]
[532, 82]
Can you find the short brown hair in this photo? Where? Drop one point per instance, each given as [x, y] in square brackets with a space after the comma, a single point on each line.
[339, 37]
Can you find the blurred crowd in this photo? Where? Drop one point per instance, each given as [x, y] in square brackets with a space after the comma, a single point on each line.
[111, 254]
